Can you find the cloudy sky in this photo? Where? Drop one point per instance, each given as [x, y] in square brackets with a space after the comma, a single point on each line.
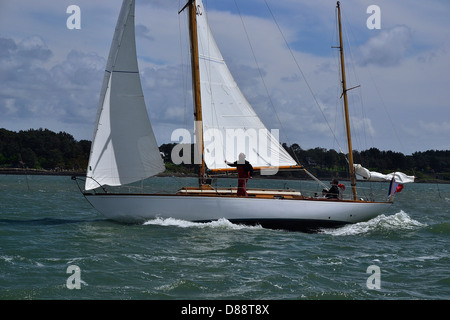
[50, 75]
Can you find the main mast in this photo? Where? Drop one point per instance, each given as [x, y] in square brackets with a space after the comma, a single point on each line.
[347, 118]
[192, 14]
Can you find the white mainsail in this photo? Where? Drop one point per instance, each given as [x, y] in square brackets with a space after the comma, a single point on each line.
[230, 125]
[124, 148]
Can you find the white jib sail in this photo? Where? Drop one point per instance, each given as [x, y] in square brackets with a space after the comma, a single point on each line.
[366, 175]
[124, 148]
[230, 125]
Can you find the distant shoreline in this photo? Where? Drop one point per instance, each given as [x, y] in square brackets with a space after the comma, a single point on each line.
[70, 173]
[42, 172]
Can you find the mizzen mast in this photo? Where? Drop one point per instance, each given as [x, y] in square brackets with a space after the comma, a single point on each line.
[347, 118]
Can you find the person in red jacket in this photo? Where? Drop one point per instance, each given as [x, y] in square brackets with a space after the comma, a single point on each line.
[245, 172]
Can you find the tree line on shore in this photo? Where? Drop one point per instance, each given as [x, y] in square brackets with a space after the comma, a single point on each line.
[43, 149]
[46, 150]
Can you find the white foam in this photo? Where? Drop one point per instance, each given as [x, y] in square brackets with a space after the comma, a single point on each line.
[7, 259]
[396, 222]
[221, 224]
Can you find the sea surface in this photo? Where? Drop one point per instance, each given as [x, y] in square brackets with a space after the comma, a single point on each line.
[54, 245]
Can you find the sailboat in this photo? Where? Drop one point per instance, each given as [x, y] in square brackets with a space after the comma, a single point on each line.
[124, 149]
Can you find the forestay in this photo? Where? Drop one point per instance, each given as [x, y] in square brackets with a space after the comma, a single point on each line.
[230, 125]
[124, 148]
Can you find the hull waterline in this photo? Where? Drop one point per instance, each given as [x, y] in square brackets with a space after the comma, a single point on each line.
[287, 214]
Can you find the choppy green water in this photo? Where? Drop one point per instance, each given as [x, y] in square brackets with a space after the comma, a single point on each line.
[46, 226]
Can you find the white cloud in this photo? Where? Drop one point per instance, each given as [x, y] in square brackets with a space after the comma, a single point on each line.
[33, 92]
[51, 76]
[387, 48]
[435, 128]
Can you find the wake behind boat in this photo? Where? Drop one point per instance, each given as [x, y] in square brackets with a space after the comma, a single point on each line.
[124, 149]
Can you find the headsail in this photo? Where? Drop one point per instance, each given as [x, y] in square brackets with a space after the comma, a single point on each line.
[230, 125]
[124, 148]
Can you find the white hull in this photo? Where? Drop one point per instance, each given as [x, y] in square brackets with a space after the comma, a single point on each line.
[289, 214]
